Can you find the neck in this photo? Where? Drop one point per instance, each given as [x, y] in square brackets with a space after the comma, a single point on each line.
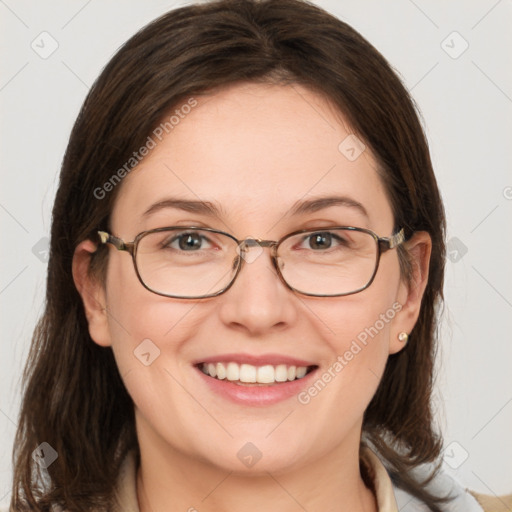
[169, 480]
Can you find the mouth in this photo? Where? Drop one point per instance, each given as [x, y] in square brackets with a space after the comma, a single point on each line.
[250, 375]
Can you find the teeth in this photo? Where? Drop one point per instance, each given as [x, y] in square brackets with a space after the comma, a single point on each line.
[248, 373]
[212, 369]
[266, 374]
[301, 371]
[220, 370]
[281, 373]
[232, 371]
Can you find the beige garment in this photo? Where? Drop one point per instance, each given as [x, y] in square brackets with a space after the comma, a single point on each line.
[494, 503]
[127, 487]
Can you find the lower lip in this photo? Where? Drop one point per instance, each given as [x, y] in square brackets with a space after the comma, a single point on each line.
[257, 395]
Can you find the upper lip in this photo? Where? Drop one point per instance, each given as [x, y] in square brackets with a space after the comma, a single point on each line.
[256, 360]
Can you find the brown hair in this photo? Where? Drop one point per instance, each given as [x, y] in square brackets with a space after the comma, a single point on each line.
[74, 398]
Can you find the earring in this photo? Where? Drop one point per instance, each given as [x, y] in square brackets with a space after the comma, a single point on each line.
[403, 337]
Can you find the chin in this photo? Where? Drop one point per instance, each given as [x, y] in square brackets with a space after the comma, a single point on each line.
[256, 456]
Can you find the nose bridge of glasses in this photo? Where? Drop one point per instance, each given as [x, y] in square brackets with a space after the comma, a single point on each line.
[247, 243]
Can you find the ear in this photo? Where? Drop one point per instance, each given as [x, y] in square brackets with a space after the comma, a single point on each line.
[92, 293]
[410, 293]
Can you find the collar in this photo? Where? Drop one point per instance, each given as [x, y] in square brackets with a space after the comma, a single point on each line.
[382, 485]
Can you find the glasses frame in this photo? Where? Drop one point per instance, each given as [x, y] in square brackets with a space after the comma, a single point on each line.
[384, 244]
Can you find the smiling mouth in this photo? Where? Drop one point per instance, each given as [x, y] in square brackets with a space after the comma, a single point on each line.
[249, 375]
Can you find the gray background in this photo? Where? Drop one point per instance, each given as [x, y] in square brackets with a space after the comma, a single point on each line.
[465, 96]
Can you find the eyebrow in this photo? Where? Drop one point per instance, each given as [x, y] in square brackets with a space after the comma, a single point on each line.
[213, 209]
[314, 205]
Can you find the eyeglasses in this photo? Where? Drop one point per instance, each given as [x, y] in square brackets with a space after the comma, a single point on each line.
[196, 262]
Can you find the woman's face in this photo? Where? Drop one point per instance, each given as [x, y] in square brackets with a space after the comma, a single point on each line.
[254, 151]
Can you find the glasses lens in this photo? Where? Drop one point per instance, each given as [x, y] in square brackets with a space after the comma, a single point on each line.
[186, 263]
[328, 262]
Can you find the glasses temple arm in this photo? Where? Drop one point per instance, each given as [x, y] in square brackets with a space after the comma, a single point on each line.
[393, 241]
[118, 243]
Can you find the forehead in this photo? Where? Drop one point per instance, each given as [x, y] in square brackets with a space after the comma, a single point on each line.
[255, 151]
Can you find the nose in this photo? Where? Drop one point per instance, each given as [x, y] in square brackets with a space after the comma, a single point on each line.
[258, 301]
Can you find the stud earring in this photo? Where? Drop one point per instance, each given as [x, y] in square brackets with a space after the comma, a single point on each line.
[403, 337]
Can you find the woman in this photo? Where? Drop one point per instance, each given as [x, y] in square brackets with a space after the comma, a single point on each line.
[246, 260]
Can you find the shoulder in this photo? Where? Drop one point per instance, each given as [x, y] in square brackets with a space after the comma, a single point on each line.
[442, 485]
[391, 498]
[493, 503]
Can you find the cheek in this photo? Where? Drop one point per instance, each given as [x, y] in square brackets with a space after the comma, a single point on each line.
[349, 378]
[149, 335]
[362, 323]
[357, 330]
[358, 337]
[143, 326]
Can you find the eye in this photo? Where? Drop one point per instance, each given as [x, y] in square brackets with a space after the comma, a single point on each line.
[190, 242]
[324, 240]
